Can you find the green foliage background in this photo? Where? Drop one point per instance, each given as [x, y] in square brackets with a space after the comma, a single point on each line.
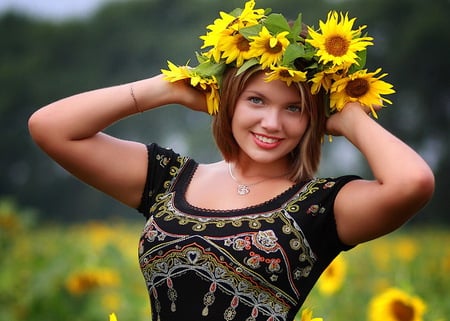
[41, 61]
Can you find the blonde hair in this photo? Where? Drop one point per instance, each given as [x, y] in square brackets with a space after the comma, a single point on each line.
[304, 158]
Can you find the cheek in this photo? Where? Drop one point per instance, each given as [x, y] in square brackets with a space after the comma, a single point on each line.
[298, 127]
[242, 117]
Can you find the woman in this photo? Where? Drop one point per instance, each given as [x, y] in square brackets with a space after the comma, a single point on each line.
[247, 237]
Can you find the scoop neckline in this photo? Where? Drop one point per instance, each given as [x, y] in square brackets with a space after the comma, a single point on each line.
[181, 204]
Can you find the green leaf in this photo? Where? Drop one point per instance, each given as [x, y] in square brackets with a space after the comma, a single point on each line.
[246, 65]
[362, 56]
[209, 68]
[201, 58]
[310, 51]
[276, 23]
[251, 31]
[296, 29]
[236, 12]
[293, 51]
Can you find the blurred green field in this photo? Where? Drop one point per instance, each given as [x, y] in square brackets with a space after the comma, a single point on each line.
[87, 271]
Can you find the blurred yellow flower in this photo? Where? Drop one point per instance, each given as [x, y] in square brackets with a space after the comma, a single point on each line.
[406, 249]
[84, 281]
[332, 278]
[112, 317]
[99, 234]
[307, 316]
[111, 301]
[396, 305]
[446, 264]
[380, 251]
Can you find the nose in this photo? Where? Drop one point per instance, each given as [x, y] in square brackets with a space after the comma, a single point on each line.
[271, 120]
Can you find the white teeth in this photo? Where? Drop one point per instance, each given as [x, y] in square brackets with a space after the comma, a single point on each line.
[266, 140]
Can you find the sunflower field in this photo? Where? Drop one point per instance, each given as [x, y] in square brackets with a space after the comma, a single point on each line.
[89, 271]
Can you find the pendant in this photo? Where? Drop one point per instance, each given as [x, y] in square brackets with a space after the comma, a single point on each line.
[243, 189]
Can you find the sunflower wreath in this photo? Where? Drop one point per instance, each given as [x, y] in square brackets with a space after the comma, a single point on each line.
[332, 58]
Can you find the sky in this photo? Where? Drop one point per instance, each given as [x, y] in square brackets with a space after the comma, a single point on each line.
[53, 9]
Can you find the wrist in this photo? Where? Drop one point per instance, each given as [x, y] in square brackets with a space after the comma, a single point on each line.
[349, 119]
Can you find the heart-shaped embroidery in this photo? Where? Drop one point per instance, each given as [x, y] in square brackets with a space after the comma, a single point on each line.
[162, 266]
[192, 256]
[219, 272]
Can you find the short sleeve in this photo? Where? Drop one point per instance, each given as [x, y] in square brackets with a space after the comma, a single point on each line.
[317, 215]
[161, 162]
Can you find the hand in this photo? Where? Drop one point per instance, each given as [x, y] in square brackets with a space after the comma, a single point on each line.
[189, 96]
[336, 123]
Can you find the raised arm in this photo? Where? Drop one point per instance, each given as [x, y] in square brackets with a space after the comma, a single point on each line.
[70, 132]
[403, 182]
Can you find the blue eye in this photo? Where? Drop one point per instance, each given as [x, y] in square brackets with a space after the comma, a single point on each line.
[294, 108]
[255, 100]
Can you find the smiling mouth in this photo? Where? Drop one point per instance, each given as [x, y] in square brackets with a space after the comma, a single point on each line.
[267, 140]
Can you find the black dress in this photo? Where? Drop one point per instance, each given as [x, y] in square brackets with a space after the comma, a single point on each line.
[257, 263]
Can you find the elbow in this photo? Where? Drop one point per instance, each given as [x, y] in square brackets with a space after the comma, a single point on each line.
[40, 128]
[36, 127]
[421, 187]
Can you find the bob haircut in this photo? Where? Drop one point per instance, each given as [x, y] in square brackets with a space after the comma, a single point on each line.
[305, 157]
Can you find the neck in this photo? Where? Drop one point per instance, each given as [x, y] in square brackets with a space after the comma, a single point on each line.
[249, 170]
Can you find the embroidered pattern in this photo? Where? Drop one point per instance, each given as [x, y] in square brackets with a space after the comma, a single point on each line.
[247, 264]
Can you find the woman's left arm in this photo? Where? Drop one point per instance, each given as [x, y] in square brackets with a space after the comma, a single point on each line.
[403, 182]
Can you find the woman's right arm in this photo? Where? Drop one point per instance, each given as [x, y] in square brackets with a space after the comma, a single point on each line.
[70, 132]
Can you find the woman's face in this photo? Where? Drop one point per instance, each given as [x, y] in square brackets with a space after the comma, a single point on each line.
[268, 122]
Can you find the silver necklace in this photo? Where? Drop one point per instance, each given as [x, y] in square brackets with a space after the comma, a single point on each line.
[244, 189]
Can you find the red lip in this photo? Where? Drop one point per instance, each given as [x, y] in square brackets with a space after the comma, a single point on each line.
[266, 145]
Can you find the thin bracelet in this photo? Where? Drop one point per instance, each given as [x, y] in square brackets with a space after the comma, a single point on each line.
[134, 99]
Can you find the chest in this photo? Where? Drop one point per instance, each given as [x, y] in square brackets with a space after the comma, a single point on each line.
[230, 261]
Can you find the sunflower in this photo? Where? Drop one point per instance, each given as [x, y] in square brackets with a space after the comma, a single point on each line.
[175, 72]
[338, 43]
[217, 31]
[249, 16]
[285, 74]
[210, 87]
[324, 79]
[84, 281]
[332, 278]
[212, 98]
[362, 87]
[269, 47]
[208, 84]
[307, 316]
[396, 305]
[228, 25]
[234, 48]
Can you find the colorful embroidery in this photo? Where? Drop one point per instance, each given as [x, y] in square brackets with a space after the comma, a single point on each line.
[230, 263]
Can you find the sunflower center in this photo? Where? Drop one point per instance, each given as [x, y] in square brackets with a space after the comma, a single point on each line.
[336, 46]
[242, 44]
[285, 74]
[357, 87]
[402, 311]
[274, 49]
